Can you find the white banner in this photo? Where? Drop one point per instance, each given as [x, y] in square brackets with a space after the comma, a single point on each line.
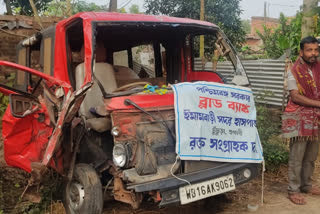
[216, 122]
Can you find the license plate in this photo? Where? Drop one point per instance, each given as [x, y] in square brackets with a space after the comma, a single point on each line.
[206, 189]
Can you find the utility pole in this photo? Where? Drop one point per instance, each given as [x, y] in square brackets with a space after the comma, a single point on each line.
[201, 37]
[309, 19]
[113, 6]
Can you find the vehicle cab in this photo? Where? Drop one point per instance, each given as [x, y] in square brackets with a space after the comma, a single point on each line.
[106, 107]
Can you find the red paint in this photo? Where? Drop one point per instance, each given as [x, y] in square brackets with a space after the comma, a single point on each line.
[30, 139]
[144, 101]
[6, 91]
[50, 80]
[203, 76]
[60, 57]
[25, 139]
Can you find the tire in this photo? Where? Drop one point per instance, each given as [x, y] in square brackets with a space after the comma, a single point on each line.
[83, 195]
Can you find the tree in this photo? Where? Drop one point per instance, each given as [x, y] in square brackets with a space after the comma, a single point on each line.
[113, 5]
[60, 8]
[134, 9]
[226, 14]
[23, 7]
[35, 12]
[246, 26]
[309, 22]
[286, 36]
[8, 7]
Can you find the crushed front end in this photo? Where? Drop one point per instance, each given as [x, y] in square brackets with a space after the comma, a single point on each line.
[143, 127]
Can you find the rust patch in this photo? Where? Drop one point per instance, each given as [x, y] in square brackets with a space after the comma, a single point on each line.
[123, 195]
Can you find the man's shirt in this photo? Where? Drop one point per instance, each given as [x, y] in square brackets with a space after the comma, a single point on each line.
[292, 83]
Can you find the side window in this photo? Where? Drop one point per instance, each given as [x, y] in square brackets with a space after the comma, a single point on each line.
[144, 61]
[22, 60]
[204, 54]
[120, 58]
[47, 55]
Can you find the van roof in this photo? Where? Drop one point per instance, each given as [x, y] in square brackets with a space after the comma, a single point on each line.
[124, 17]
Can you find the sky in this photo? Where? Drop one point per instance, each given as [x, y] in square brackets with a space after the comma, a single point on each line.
[250, 7]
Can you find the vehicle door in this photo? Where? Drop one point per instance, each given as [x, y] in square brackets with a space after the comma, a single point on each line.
[32, 125]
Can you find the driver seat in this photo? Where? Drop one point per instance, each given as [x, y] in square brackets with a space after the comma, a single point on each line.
[104, 72]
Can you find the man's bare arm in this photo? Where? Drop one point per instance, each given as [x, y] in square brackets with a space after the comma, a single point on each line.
[302, 100]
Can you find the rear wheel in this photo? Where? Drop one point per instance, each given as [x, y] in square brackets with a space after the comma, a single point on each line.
[83, 195]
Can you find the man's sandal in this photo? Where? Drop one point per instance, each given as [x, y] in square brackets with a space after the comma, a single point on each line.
[297, 198]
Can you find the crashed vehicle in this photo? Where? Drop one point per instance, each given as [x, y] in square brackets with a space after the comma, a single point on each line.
[91, 113]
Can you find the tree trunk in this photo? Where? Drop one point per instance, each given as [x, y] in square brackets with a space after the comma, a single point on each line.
[35, 12]
[309, 19]
[8, 6]
[113, 6]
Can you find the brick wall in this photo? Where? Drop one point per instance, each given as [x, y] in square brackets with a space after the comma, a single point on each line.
[258, 22]
[10, 38]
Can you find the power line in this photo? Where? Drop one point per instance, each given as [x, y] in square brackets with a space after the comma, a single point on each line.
[126, 3]
[284, 5]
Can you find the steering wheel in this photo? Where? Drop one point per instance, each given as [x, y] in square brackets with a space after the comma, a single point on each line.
[131, 85]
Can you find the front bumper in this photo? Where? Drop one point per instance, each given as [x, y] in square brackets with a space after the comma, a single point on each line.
[169, 187]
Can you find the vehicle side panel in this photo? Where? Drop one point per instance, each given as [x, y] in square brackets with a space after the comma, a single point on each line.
[25, 139]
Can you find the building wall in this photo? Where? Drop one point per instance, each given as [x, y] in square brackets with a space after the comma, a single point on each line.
[257, 23]
[253, 40]
[255, 44]
[23, 27]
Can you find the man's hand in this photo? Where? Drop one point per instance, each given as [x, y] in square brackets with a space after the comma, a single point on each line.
[303, 100]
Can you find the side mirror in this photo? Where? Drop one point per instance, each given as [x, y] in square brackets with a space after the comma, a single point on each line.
[22, 105]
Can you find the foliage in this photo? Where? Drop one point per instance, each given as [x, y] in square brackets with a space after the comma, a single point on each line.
[134, 9]
[246, 25]
[4, 100]
[59, 8]
[22, 7]
[122, 10]
[286, 36]
[50, 191]
[226, 14]
[274, 151]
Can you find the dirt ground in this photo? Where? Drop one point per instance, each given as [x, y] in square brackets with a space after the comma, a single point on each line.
[275, 200]
[13, 182]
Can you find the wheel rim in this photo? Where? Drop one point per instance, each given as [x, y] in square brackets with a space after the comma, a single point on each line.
[76, 196]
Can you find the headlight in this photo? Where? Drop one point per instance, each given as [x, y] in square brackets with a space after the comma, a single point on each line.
[115, 131]
[247, 173]
[119, 155]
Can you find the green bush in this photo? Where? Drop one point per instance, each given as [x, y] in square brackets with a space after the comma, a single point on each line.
[286, 36]
[274, 151]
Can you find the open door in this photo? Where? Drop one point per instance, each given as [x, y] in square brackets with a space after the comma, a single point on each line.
[33, 123]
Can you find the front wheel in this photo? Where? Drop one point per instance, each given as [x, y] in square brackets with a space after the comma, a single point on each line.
[83, 195]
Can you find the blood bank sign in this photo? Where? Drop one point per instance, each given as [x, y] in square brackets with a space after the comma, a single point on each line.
[216, 122]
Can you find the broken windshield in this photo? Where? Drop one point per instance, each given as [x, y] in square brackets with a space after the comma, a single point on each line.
[214, 52]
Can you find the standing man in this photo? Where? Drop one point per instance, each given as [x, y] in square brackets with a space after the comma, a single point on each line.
[300, 120]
